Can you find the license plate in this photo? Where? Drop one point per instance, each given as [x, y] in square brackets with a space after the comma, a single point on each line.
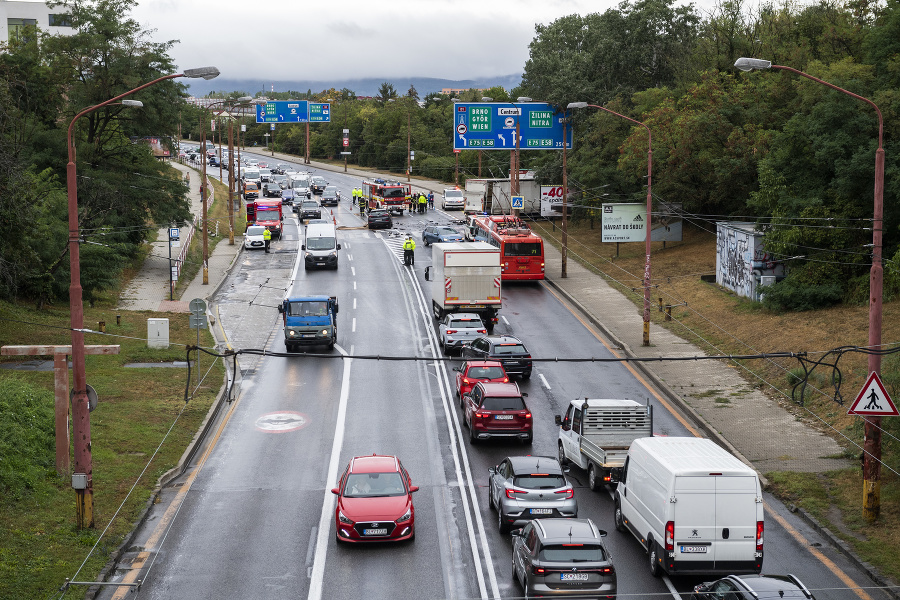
[541, 511]
[690, 549]
[374, 531]
[504, 417]
[472, 306]
[573, 576]
[309, 335]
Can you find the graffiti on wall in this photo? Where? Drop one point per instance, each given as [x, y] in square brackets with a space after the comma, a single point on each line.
[733, 261]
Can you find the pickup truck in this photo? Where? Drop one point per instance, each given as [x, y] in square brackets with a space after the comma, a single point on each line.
[595, 435]
[309, 321]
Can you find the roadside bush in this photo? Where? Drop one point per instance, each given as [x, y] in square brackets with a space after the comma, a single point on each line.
[792, 295]
[27, 442]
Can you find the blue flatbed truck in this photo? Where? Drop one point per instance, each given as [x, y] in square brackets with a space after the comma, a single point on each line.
[309, 321]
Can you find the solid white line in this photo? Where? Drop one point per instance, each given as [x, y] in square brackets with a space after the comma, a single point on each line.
[318, 569]
[671, 587]
[353, 326]
[504, 319]
[544, 381]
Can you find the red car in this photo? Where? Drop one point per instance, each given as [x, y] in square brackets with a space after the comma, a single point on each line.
[374, 501]
[497, 410]
[473, 371]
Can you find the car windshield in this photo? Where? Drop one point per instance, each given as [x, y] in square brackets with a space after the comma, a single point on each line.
[539, 482]
[255, 230]
[485, 373]
[463, 323]
[378, 213]
[310, 204]
[503, 403]
[308, 308]
[330, 188]
[318, 180]
[573, 553]
[522, 249]
[446, 231]
[321, 243]
[454, 194]
[374, 485]
[509, 349]
[267, 215]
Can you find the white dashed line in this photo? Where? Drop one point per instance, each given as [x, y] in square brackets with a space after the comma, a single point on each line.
[354, 304]
[544, 381]
[353, 326]
[353, 271]
[504, 319]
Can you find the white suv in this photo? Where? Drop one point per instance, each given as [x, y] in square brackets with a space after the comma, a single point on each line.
[453, 198]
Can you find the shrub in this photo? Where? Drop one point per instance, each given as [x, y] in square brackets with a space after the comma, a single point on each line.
[792, 295]
[27, 438]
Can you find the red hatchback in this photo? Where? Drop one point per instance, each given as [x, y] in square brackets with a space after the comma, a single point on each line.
[374, 501]
[473, 371]
[497, 410]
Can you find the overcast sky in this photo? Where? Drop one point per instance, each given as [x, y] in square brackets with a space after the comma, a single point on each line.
[344, 39]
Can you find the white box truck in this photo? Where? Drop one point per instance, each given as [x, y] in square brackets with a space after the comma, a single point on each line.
[595, 435]
[492, 196]
[465, 277]
[695, 508]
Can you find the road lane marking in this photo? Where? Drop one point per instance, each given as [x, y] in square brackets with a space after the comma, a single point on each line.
[318, 570]
[353, 271]
[354, 303]
[504, 319]
[354, 285]
[353, 326]
[544, 380]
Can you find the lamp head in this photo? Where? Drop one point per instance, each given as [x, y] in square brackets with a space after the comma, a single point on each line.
[577, 105]
[523, 99]
[244, 99]
[748, 64]
[487, 99]
[133, 103]
[204, 72]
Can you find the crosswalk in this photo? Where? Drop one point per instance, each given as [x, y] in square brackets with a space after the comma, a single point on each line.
[394, 239]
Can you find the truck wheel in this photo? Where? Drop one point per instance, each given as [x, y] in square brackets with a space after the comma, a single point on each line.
[561, 453]
[489, 327]
[619, 519]
[593, 482]
[651, 554]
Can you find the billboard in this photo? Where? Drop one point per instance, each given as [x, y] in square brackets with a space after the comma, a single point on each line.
[552, 200]
[626, 222]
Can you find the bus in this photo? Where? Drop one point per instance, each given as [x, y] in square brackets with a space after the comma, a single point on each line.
[521, 249]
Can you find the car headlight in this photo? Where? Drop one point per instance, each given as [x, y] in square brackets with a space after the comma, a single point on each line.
[343, 519]
[309, 255]
[324, 332]
[406, 516]
[334, 254]
[292, 333]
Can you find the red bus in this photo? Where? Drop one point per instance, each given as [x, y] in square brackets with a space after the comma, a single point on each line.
[521, 249]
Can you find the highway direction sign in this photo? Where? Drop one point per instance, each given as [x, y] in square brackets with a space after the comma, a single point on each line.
[319, 112]
[873, 400]
[492, 126]
[290, 111]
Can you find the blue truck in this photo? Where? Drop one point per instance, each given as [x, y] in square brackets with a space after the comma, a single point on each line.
[309, 321]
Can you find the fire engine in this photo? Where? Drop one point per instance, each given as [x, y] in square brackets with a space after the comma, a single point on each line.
[267, 213]
[391, 195]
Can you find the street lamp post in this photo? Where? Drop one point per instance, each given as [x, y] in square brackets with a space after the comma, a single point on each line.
[81, 424]
[646, 341]
[872, 430]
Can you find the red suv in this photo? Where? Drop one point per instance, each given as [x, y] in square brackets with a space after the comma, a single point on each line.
[473, 371]
[497, 410]
[374, 501]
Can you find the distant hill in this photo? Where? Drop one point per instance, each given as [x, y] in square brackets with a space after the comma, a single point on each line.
[362, 87]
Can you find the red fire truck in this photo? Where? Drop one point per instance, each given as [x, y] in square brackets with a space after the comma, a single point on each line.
[267, 213]
[391, 195]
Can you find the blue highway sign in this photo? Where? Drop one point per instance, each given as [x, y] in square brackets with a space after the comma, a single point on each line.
[319, 112]
[290, 111]
[492, 126]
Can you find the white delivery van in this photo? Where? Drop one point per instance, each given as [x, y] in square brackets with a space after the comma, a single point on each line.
[697, 509]
[320, 248]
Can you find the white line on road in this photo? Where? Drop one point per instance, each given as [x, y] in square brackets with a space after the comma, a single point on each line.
[354, 285]
[504, 319]
[671, 587]
[350, 257]
[544, 381]
[353, 271]
[353, 326]
[354, 303]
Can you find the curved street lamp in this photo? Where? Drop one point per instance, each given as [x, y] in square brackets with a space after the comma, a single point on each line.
[571, 105]
[81, 425]
[872, 436]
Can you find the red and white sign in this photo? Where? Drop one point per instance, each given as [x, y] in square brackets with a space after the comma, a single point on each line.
[873, 400]
[461, 128]
[346, 142]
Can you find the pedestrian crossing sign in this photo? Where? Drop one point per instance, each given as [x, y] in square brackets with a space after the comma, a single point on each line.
[518, 202]
[873, 400]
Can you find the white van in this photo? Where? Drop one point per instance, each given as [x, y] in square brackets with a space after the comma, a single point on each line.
[697, 509]
[320, 248]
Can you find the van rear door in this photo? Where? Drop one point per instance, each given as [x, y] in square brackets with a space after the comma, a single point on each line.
[737, 512]
[695, 522]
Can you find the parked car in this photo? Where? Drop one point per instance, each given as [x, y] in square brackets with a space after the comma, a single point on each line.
[379, 217]
[563, 557]
[330, 196]
[497, 410]
[456, 329]
[310, 209]
[253, 237]
[752, 587]
[508, 350]
[473, 371]
[440, 233]
[523, 488]
[374, 501]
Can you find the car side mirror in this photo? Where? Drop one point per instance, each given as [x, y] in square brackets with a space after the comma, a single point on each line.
[458, 369]
[338, 246]
[524, 394]
[427, 273]
[303, 246]
[516, 533]
[557, 419]
[492, 470]
[413, 488]
[281, 308]
[335, 491]
[602, 532]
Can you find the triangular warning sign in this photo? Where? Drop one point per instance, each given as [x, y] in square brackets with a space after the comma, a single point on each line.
[873, 400]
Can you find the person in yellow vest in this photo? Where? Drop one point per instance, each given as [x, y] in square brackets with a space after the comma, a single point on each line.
[423, 203]
[409, 247]
[267, 238]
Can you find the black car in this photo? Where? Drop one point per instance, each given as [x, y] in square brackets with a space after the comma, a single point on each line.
[271, 190]
[380, 218]
[330, 196]
[317, 185]
[752, 587]
[310, 209]
[506, 349]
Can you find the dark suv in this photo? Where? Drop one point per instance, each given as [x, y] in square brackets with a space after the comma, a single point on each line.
[563, 557]
[309, 209]
[506, 349]
[497, 410]
[752, 587]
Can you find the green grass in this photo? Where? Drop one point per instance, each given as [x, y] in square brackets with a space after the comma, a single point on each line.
[39, 543]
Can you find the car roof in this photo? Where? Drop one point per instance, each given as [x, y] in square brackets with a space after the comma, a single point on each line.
[484, 363]
[496, 388]
[374, 464]
[773, 584]
[503, 339]
[581, 530]
[535, 464]
[464, 316]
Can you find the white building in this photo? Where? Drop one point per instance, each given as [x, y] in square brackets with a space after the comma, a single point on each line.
[742, 263]
[16, 16]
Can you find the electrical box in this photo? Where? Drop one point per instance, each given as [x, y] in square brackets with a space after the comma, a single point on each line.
[79, 481]
[158, 333]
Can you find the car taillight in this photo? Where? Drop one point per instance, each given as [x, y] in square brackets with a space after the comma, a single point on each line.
[670, 536]
[570, 493]
[511, 491]
[759, 536]
[606, 571]
[506, 380]
[482, 331]
[538, 570]
[528, 415]
[450, 331]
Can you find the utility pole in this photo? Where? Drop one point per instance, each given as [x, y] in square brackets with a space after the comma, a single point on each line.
[231, 167]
